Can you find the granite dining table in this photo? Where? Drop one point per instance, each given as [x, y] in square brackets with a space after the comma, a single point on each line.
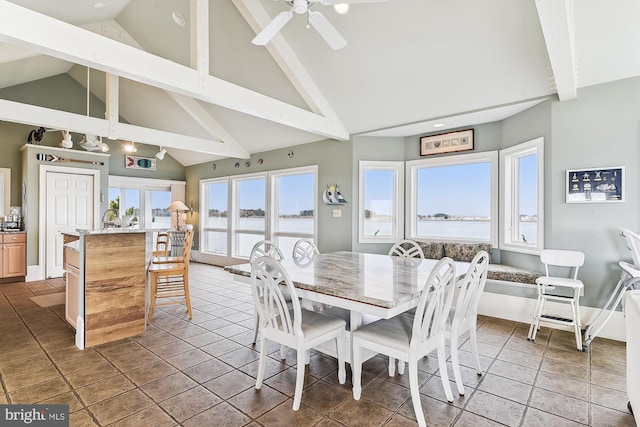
[363, 285]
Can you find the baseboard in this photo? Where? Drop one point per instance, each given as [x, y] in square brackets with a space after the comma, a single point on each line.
[521, 309]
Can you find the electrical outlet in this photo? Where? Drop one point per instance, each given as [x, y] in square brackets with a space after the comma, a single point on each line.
[337, 213]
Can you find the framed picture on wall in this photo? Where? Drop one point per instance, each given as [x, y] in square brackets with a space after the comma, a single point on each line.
[596, 185]
[446, 142]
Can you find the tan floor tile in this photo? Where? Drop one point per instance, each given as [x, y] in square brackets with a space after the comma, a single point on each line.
[230, 384]
[361, 412]
[504, 387]
[208, 370]
[561, 405]
[283, 414]
[68, 398]
[81, 419]
[150, 416]
[95, 373]
[23, 364]
[120, 406]
[104, 389]
[168, 386]
[189, 358]
[469, 419]
[285, 381]
[324, 397]
[31, 377]
[537, 418]
[39, 392]
[190, 403]
[79, 363]
[222, 415]
[151, 372]
[385, 393]
[495, 408]
[257, 402]
[605, 417]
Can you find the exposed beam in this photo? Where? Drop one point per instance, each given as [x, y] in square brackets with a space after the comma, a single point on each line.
[199, 38]
[192, 107]
[257, 18]
[112, 103]
[556, 20]
[61, 40]
[33, 115]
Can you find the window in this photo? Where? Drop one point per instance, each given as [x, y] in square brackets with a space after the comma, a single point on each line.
[214, 227]
[454, 198]
[381, 217]
[143, 200]
[521, 168]
[239, 211]
[249, 210]
[293, 199]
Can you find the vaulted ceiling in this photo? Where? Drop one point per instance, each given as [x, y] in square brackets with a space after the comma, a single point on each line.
[204, 91]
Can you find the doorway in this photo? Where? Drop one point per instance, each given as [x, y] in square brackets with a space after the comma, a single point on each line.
[68, 201]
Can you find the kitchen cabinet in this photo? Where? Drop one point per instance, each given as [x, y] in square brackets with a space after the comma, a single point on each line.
[14, 255]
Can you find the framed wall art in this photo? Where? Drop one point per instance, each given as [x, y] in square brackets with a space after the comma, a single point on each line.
[135, 162]
[597, 185]
[446, 142]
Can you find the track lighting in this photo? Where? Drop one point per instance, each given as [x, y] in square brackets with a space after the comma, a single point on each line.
[160, 154]
[130, 147]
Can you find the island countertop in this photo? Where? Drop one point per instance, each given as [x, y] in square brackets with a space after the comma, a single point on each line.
[113, 230]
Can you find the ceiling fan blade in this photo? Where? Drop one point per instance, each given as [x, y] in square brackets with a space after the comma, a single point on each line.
[326, 30]
[272, 28]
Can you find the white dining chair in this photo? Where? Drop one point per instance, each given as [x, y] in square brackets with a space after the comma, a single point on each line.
[304, 251]
[463, 317]
[409, 340]
[550, 288]
[293, 327]
[406, 248]
[264, 248]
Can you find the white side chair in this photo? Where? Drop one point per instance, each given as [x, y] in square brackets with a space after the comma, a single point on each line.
[266, 248]
[463, 317]
[406, 248]
[293, 327]
[550, 288]
[409, 340]
[260, 249]
[304, 251]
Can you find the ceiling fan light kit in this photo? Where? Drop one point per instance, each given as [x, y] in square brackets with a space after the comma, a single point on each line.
[315, 19]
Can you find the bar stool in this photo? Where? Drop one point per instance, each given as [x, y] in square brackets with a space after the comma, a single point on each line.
[162, 244]
[170, 281]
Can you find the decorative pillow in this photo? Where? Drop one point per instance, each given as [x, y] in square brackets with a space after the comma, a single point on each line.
[432, 250]
[465, 251]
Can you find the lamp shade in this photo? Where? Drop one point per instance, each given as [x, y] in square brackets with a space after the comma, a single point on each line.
[177, 205]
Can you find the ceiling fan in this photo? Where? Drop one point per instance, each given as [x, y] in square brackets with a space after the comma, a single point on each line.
[315, 19]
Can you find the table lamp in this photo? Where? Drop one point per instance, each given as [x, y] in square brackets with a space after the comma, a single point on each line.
[178, 206]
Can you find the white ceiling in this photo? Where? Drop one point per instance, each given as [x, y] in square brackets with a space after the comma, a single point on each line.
[408, 64]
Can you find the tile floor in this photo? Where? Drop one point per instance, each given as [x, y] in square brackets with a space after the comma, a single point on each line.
[202, 372]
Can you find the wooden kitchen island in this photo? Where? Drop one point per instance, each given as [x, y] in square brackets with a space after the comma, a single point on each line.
[107, 290]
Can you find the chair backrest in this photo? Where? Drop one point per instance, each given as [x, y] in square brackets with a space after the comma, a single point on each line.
[435, 301]
[406, 248]
[267, 277]
[162, 243]
[633, 244]
[303, 250]
[186, 249]
[470, 289]
[266, 248]
[562, 258]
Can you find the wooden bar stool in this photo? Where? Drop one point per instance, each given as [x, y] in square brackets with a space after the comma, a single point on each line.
[162, 244]
[170, 281]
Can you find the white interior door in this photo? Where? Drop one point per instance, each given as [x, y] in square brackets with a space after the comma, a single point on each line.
[69, 206]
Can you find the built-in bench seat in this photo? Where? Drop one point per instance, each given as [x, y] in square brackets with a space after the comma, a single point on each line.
[466, 252]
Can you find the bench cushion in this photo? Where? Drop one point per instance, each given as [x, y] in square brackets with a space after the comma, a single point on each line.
[432, 250]
[465, 251]
[509, 273]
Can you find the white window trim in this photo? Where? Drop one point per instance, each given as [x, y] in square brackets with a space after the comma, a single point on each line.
[398, 227]
[509, 194]
[411, 197]
[204, 207]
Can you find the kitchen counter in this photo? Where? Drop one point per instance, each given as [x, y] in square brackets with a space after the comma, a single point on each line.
[107, 289]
